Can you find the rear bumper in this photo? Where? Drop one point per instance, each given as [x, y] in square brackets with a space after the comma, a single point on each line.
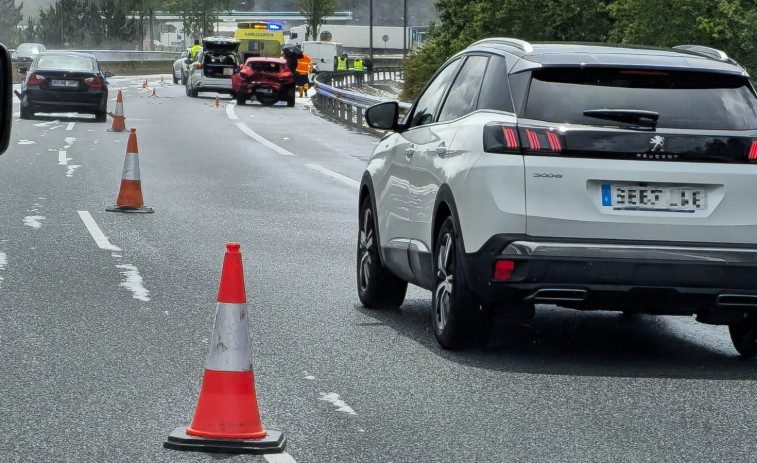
[54, 101]
[209, 84]
[661, 279]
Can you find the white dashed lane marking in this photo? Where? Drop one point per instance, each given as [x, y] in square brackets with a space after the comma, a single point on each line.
[100, 239]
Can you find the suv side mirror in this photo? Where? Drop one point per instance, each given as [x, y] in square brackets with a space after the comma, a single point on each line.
[21, 69]
[108, 74]
[6, 103]
[383, 116]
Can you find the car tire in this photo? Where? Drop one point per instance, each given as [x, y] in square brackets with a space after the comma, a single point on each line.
[175, 79]
[183, 78]
[25, 113]
[744, 337]
[267, 100]
[290, 97]
[456, 315]
[101, 116]
[241, 100]
[377, 287]
[190, 91]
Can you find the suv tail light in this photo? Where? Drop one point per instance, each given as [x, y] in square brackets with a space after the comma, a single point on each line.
[506, 138]
[35, 79]
[93, 82]
[752, 154]
[503, 270]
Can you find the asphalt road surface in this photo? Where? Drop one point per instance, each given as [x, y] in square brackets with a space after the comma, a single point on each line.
[103, 338]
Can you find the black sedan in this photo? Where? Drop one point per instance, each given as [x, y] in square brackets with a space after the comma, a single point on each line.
[64, 82]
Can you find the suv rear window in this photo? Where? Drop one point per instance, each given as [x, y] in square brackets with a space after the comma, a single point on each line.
[686, 100]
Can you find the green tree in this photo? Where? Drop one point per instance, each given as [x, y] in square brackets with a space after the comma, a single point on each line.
[10, 16]
[198, 16]
[462, 22]
[315, 11]
[727, 25]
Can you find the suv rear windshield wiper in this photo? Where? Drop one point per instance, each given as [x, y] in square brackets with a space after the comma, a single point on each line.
[634, 116]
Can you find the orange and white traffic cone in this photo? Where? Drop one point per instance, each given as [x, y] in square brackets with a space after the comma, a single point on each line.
[217, 103]
[227, 418]
[119, 121]
[154, 95]
[144, 85]
[130, 195]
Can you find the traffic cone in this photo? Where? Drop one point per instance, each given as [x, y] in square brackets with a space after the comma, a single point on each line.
[144, 85]
[227, 419]
[161, 79]
[119, 121]
[130, 195]
[154, 95]
[217, 103]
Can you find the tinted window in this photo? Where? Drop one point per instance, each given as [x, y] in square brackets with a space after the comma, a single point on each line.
[687, 100]
[463, 93]
[495, 91]
[429, 100]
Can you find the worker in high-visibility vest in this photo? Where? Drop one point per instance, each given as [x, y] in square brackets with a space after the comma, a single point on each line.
[195, 48]
[304, 68]
[341, 62]
[359, 70]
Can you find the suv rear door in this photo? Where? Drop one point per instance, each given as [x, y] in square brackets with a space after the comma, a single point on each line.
[597, 166]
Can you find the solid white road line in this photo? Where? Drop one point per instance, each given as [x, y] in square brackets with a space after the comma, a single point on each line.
[279, 458]
[250, 133]
[62, 159]
[70, 126]
[342, 178]
[100, 239]
[230, 112]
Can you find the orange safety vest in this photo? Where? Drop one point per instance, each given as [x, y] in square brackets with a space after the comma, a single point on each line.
[304, 65]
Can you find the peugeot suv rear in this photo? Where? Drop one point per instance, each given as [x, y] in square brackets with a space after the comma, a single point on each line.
[215, 64]
[588, 177]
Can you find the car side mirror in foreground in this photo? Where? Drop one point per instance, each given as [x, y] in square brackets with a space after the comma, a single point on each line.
[108, 74]
[383, 116]
[6, 103]
[21, 69]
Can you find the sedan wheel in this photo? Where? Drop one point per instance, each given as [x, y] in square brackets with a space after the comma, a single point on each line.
[744, 337]
[377, 287]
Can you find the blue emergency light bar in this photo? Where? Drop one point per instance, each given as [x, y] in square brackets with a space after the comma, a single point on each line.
[274, 27]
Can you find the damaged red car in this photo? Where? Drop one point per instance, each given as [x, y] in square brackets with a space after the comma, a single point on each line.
[268, 80]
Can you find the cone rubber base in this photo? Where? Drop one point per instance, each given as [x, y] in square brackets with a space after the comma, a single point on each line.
[117, 130]
[129, 209]
[273, 442]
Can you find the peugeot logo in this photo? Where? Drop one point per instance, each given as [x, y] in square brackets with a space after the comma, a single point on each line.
[658, 144]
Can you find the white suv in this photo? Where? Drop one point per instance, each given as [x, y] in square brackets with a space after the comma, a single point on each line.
[584, 176]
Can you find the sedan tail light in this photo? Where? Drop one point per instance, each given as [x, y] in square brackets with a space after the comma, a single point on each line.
[35, 79]
[93, 82]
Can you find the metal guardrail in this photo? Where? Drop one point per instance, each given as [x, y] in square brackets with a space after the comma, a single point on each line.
[335, 100]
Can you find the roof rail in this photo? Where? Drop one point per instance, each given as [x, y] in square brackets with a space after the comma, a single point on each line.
[517, 43]
[706, 52]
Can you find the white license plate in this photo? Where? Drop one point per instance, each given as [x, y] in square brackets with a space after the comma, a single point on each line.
[267, 91]
[228, 71]
[654, 198]
[64, 83]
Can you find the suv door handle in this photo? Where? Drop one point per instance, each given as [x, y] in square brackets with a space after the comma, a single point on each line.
[441, 150]
[409, 152]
